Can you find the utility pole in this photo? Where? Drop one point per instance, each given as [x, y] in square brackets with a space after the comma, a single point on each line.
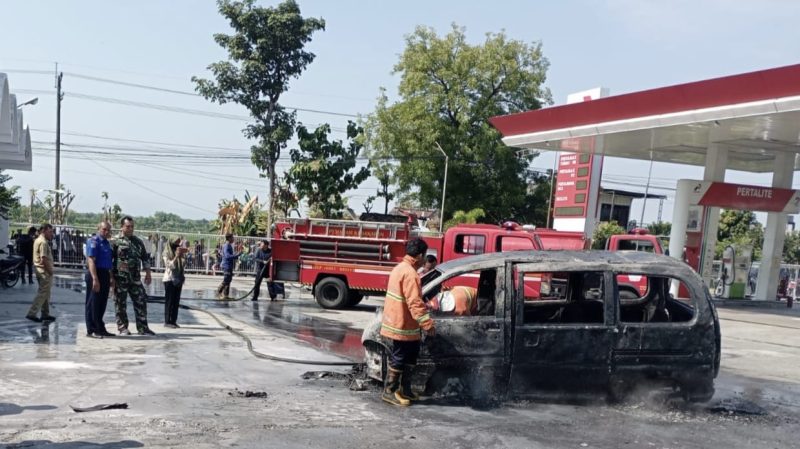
[57, 188]
[444, 186]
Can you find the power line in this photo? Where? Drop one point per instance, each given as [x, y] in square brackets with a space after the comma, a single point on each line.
[148, 188]
[159, 89]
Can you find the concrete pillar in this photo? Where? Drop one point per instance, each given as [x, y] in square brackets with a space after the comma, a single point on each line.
[680, 216]
[716, 163]
[775, 232]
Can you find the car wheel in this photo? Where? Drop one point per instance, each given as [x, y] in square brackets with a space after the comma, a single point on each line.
[354, 298]
[618, 390]
[331, 293]
[701, 391]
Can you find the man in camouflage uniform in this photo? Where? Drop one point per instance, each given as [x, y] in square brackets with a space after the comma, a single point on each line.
[128, 251]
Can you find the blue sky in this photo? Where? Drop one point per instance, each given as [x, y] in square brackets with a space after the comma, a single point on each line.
[625, 45]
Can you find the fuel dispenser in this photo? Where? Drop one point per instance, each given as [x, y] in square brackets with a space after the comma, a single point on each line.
[735, 272]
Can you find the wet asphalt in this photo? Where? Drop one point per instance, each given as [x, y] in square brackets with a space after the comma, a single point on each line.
[198, 386]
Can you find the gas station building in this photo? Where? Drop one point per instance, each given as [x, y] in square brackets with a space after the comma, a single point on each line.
[15, 143]
[748, 122]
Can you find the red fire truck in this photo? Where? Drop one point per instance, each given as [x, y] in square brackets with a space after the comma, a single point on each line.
[342, 261]
[637, 240]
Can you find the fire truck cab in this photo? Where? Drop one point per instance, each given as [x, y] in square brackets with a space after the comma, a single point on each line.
[638, 239]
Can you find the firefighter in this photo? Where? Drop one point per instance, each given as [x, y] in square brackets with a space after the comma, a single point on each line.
[404, 316]
[430, 264]
[460, 301]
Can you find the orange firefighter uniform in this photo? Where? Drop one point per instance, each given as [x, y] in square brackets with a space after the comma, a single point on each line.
[404, 312]
[404, 316]
[466, 301]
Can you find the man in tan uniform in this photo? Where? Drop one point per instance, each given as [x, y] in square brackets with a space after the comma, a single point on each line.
[43, 262]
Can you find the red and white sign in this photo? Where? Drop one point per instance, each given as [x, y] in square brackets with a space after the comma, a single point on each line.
[578, 180]
[745, 197]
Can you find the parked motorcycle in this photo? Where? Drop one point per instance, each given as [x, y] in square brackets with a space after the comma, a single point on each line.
[10, 268]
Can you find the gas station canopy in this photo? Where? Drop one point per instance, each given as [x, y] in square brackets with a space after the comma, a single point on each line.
[754, 115]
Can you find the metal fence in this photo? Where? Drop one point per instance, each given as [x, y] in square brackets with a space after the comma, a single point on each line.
[69, 243]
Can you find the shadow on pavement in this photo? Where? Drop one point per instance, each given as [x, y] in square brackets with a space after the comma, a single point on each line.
[7, 408]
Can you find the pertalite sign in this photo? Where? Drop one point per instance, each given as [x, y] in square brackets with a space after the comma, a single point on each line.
[746, 197]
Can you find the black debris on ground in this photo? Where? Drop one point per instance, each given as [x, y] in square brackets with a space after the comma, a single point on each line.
[248, 394]
[737, 406]
[355, 379]
[95, 408]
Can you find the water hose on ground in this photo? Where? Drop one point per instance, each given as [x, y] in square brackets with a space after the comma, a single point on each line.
[249, 343]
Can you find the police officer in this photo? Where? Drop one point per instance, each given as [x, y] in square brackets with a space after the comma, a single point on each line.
[98, 280]
[128, 251]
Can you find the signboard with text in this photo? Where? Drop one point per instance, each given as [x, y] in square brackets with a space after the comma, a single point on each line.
[578, 177]
[745, 197]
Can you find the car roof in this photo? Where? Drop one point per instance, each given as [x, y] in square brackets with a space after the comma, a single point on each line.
[629, 261]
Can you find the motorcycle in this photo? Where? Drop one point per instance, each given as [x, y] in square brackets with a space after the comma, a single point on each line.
[11, 268]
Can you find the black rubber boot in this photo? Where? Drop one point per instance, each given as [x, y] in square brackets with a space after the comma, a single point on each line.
[390, 389]
[405, 384]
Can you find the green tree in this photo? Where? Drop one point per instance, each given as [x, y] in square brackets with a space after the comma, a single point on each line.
[448, 89]
[286, 200]
[112, 213]
[321, 170]
[791, 248]
[8, 195]
[266, 51]
[662, 228]
[603, 231]
[465, 217]
[742, 228]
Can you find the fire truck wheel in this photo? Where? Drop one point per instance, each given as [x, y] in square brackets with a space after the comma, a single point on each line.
[354, 298]
[331, 293]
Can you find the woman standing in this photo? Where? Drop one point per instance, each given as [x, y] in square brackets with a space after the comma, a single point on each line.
[174, 256]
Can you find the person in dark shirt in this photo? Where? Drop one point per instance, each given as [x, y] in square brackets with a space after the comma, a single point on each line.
[263, 260]
[25, 249]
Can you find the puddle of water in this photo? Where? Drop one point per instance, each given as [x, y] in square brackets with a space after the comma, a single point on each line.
[155, 289]
[328, 335]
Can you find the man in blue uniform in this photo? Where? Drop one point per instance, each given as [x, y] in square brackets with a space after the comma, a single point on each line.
[228, 262]
[98, 280]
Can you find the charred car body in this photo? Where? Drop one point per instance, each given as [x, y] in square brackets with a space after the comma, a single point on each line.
[571, 335]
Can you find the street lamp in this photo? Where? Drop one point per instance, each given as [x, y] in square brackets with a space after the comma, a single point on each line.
[29, 102]
[444, 185]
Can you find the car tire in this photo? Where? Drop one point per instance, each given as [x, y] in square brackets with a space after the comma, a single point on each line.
[354, 298]
[701, 391]
[331, 293]
[618, 391]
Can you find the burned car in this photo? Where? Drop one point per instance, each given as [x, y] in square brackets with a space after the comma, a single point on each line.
[556, 321]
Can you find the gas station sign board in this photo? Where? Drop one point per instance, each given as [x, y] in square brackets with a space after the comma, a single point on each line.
[745, 197]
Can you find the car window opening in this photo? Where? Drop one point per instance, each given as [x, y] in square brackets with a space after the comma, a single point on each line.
[561, 298]
[647, 299]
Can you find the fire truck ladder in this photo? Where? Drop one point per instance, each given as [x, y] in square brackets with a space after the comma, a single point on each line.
[346, 229]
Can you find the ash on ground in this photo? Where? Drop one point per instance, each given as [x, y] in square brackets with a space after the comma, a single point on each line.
[248, 394]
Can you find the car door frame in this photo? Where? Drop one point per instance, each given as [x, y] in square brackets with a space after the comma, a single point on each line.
[562, 365]
[461, 341]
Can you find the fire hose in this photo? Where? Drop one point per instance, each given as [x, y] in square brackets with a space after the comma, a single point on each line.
[249, 342]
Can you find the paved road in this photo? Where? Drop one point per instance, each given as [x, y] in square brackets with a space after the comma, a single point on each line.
[186, 388]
